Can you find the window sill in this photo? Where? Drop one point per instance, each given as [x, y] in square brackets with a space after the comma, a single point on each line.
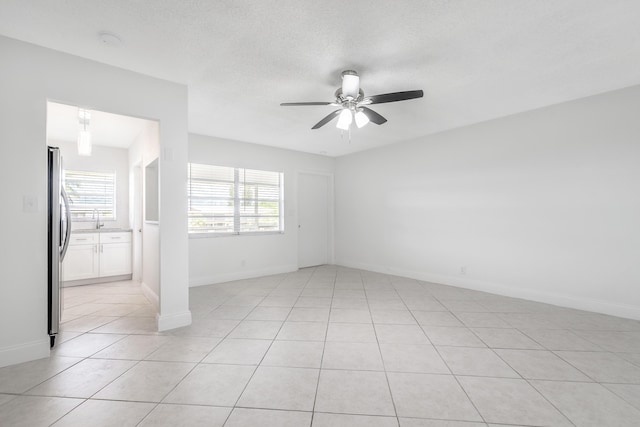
[217, 235]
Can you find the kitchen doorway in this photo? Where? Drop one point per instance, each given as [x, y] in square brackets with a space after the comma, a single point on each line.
[104, 288]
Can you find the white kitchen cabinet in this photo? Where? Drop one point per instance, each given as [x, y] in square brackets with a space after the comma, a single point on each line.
[115, 254]
[97, 255]
[81, 262]
[115, 259]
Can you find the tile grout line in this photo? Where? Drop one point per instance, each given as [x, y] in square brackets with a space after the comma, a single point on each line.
[129, 369]
[361, 273]
[182, 379]
[82, 359]
[516, 371]
[265, 353]
[522, 378]
[384, 368]
[324, 346]
[445, 362]
[227, 335]
[533, 387]
[120, 376]
[87, 358]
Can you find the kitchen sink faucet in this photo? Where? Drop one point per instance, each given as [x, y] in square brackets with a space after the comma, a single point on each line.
[96, 212]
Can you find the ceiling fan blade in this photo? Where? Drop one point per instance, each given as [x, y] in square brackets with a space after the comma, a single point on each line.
[327, 119]
[394, 96]
[373, 116]
[294, 104]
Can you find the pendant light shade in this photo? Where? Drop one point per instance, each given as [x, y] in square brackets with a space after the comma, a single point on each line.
[84, 143]
[84, 135]
[361, 119]
[344, 120]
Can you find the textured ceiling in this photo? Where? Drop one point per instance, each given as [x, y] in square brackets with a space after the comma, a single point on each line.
[475, 60]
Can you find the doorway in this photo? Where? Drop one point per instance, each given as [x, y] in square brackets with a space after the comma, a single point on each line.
[102, 273]
[315, 220]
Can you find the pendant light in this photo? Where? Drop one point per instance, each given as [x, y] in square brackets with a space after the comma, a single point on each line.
[84, 136]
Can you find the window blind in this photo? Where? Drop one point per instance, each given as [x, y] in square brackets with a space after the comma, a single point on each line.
[90, 192]
[234, 200]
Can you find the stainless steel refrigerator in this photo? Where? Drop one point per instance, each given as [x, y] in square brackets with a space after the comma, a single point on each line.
[59, 227]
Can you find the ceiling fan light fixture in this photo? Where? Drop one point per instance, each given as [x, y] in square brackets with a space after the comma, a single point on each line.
[344, 120]
[361, 119]
[350, 84]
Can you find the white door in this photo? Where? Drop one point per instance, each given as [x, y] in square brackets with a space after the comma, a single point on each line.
[313, 219]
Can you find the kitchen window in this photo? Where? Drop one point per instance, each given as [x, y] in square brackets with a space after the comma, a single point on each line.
[226, 201]
[91, 193]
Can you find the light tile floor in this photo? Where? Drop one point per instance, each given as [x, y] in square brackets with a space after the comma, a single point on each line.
[329, 346]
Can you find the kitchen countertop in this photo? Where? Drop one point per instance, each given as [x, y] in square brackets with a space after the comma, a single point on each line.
[102, 230]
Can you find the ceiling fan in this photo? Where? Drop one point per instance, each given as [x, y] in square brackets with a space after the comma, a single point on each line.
[353, 104]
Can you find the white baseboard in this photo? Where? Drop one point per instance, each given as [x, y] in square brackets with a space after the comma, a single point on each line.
[570, 301]
[172, 321]
[24, 352]
[240, 275]
[96, 280]
[150, 295]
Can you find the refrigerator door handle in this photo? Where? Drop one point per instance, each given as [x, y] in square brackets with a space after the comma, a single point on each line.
[67, 232]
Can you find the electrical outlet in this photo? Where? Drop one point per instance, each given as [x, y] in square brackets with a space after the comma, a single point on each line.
[463, 269]
[242, 263]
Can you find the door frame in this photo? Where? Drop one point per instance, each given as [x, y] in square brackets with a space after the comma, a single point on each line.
[330, 212]
[136, 206]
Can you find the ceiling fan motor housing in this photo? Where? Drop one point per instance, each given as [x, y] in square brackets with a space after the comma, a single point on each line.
[350, 84]
[347, 101]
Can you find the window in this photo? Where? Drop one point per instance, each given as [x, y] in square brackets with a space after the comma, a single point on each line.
[226, 200]
[90, 192]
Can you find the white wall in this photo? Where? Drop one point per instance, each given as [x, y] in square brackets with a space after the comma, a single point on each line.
[29, 77]
[543, 205]
[219, 259]
[103, 159]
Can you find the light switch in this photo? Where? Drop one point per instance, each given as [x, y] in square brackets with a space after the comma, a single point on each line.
[29, 203]
[168, 154]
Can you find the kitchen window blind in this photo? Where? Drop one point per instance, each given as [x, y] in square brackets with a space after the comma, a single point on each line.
[90, 192]
[227, 200]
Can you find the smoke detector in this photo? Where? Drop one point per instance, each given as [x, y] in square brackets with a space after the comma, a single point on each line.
[109, 39]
